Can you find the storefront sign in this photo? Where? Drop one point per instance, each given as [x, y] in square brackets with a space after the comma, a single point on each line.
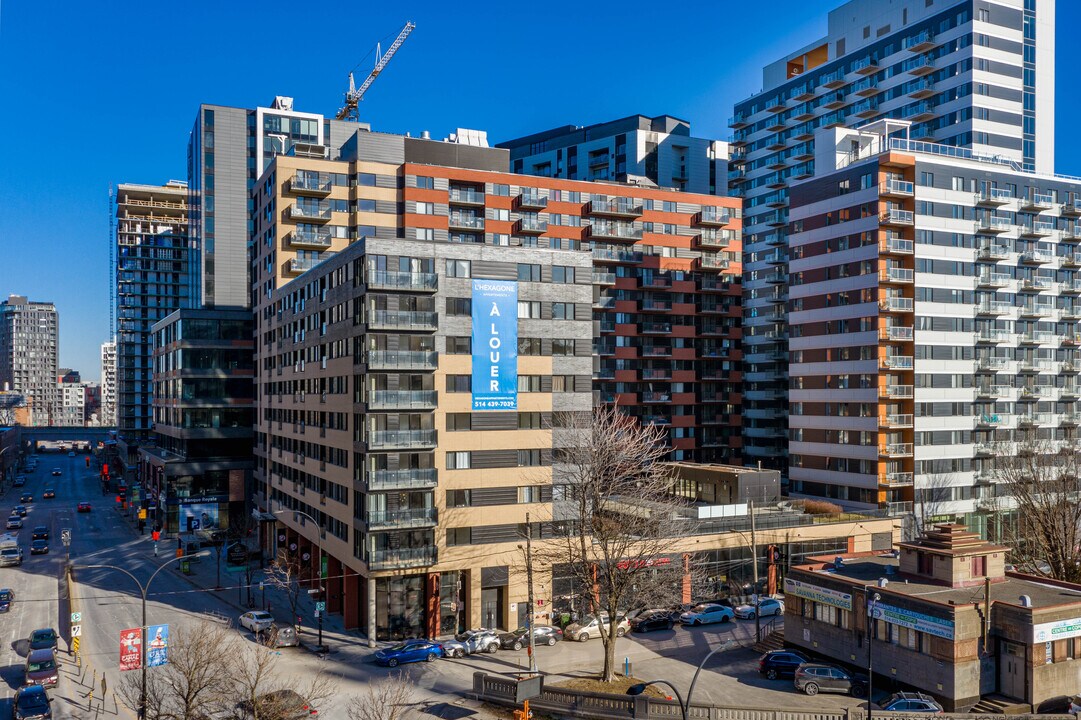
[646, 563]
[817, 594]
[913, 620]
[495, 345]
[1058, 630]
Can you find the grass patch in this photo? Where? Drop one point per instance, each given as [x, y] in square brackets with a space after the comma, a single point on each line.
[618, 686]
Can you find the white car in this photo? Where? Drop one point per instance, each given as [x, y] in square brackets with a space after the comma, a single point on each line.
[707, 613]
[257, 621]
[766, 606]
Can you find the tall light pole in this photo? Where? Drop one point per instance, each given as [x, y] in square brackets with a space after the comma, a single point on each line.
[142, 629]
[870, 643]
[319, 562]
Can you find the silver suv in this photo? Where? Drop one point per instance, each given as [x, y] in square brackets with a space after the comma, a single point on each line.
[11, 556]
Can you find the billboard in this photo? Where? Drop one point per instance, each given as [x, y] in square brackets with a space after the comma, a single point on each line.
[157, 645]
[131, 649]
[495, 345]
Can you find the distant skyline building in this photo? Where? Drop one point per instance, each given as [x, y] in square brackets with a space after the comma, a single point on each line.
[30, 356]
[652, 150]
[72, 400]
[977, 75]
[108, 383]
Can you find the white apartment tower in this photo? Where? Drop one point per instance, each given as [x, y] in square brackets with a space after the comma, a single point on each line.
[108, 383]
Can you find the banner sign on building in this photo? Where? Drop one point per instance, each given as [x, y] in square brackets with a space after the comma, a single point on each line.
[913, 620]
[157, 645]
[817, 594]
[131, 649]
[1058, 630]
[495, 345]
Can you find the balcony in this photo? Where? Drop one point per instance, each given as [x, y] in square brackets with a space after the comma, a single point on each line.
[402, 320]
[532, 201]
[922, 88]
[614, 231]
[403, 479]
[993, 224]
[919, 112]
[896, 188]
[399, 558]
[301, 265]
[895, 450]
[713, 217]
[994, 307]
[987, 449]
[865, 108]
[986, 391]
[617, 256]
[992, 336]
[308, 213]
[1037, 202]
[993, 252]
[1036, 310]
[737, 121]
[604, 278]
[1034, 366]
[896, 246]
[402, 360]
[399, 280]
[309, 239]
[993, 197]
[893, 216]
[992, 420]
[459, 221]
[1033, 420]
[1070, 208]
[712, 262]
[400, 439]
[896, 276]
[896, 362]
[833, 101]
[655, 328]
[615, 207]
[922, 65]
[715, 239]
[310, 184]
[656, 397]
[892, 420]
[897, 333]
[896, 304]
[1036, 392]
[895, 392]
[921, 42]
[991, 364]
[402, 399]
[531, 226]
[397, 519]
[867, 87]
[1070, 287]
[895, 479]
[833, 79]
[1072, 312]
[992, 280]
[1035, 284]
[1038, 228]
[1070, 419]
[465, 196]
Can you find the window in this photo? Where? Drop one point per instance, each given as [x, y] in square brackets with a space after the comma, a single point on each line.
[562, 346]
[425, 234]
[500, 239]
[458, 268]
[457, 345]
[529, 309]
[529, 494]
[563, 383]
[458, 422]
[562, 311]
[425, 183]
[458, 536]
[366, 179]
[501, 190]
[562, 274]
[526, 383]
[458, 461]
[425, 208]
[529, 421]
[529, 346]
[501, 214]
[460, 306]
[461, 383]
[366, 205]
[458, 498]
[927, 179]
[529, 458]
[529, 273]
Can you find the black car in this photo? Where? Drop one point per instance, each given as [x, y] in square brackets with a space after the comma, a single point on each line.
[780, 663]
[19, 510]
[648, 622]
[39, 547]
[31, 703]
[26, 498]
[43, 638]
[49, 493]
[19, 481]
[7, 599]
[40, 533]
[812, 678]
[542, 635]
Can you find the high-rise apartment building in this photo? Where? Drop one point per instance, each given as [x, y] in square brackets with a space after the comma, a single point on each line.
[30, 356]
[154, 277]
[656, 151]
[368, 272]
[935, 321]
[108, 383]
[976, 74]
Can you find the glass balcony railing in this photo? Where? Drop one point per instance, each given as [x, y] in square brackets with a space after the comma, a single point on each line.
[309, 212]
[310, 183]
[402, 479]
[398, 280]
[465, 222]
[894, 216]
[384, 519]
[402, 360]
[400, 439]
[401, 399]
[465, 196]
[310, 238]
[402, 558]
[403, 319]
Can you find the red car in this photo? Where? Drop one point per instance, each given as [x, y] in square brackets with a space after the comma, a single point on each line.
[84, 506]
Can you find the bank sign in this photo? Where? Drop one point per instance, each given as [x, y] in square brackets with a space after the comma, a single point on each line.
[495, 345]
[913, 620]
[1059, 630]
[817, 594]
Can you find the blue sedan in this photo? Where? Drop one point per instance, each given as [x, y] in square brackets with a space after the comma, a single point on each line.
[409, 651]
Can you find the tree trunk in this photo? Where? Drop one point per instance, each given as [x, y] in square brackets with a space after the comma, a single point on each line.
[608, 637]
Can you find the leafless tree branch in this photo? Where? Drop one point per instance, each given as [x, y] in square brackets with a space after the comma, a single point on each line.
[388, 699]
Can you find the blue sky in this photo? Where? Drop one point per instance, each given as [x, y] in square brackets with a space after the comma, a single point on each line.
[104, 92]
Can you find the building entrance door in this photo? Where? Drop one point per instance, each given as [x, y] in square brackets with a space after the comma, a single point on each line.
[1011, 670]
[491, 604]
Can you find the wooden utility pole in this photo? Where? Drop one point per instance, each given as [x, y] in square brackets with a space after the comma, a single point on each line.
[529, 599]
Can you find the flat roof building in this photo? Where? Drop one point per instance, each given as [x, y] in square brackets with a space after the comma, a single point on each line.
[30, 356]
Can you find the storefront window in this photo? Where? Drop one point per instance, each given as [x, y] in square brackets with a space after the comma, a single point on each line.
[400, 607]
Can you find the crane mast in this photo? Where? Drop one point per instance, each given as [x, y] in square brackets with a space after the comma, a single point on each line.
[356, 94]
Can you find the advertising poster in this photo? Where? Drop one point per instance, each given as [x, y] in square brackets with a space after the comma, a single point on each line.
[157, 645]
[200, 516]
[495, 345]
[131, 649]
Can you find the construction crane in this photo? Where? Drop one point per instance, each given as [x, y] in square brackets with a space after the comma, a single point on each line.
[356, 94]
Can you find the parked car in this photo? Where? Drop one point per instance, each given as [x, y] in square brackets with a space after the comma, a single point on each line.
[1074, 706]
[542, 635]
[39, 547]
[707, 613]
[780, 663]
[590, 627]
[278, 636]
[49, 494]
[811, 678]
[471, 642]
[31, 703]
[284, 704]
[912, 702]
[26, 498]
[41, 532]
[256, 621]
[7, 599]
[57, 471]
[43, 638]
[766, 607]
[19, 510]
[11, 556]
[19, 481]
[408, 652]
[653, 620]
[40, 668]
[15, 522]
[84, 506]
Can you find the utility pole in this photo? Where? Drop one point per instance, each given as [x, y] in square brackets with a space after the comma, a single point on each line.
[754, 575]
[529, 599]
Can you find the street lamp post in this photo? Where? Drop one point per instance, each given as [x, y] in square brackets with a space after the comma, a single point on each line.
[142, 629]
[870, 643]
[684, 706]
[319, 563]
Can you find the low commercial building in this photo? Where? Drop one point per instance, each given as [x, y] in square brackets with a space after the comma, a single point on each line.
[949, 620]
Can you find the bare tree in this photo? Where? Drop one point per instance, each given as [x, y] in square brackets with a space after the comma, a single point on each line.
[930, 504]
[388, 699]
[285, 575]
[193, 683]
[616, 517]
[258, 688]
[1042, 483]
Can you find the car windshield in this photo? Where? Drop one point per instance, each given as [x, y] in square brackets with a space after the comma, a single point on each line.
[520, 632]
[9, 551]
[39, 666]
[32, 701]
[403, 646]
[5, 595]
[261, 616]
[42, 635]
[703, 608]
